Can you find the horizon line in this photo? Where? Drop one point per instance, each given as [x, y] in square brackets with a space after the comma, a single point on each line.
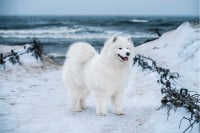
[180, 15]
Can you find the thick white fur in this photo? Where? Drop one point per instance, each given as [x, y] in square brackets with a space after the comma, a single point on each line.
[105, 74]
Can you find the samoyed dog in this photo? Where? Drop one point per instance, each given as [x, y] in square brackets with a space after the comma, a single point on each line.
[105, 74]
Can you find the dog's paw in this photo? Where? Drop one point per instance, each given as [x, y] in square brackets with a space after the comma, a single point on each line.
[119, 112]
[84, 107]
[101, 114]
[76, 110]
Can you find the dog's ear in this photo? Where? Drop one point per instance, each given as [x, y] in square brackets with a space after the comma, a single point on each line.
[108, 44]
[129, 38]
[114, 39]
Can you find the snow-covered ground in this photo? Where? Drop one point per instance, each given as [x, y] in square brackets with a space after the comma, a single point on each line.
[178, 50]
[33, 98]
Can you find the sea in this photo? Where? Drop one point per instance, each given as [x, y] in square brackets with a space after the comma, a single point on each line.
[56, 33]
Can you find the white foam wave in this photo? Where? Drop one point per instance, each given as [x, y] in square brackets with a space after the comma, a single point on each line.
[56, 55]
[69, 33]
[144, 35]
[57, 32]
[56, 36]
[139, 21]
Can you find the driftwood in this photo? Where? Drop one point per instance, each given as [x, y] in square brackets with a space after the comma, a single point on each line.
[14, 57]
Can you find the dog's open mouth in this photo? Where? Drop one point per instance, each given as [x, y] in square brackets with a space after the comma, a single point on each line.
[123, 58]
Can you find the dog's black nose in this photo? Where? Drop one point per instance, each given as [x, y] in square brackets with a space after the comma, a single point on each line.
[127, 53]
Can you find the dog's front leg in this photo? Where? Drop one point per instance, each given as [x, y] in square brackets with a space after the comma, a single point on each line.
[117, 100]
[101, 104]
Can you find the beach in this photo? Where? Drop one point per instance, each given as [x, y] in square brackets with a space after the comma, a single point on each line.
[33, 97]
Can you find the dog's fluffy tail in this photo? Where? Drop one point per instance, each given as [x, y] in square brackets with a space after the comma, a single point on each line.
[80, 53]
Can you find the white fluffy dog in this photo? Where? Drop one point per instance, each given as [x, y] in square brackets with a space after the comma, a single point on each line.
[106, 74]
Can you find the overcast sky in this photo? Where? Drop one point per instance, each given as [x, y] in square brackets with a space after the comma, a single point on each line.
[99, 7]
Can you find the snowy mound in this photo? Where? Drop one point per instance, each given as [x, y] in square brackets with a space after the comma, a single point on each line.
[178, 50]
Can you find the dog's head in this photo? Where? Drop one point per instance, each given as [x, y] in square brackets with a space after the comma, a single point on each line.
[120, 48]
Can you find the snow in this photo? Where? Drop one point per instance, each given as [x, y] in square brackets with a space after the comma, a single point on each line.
[34, 99]
[178, 50]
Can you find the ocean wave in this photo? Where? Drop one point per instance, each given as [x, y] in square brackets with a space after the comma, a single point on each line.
[70, 33]
[56, 55]
[56, 36]
[53, 32]
[76, 36]
[34, 25]
[139, 21]
[144, 35]
[129, 22]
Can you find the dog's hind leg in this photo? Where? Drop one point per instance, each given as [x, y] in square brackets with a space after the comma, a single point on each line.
[117, 99]
[75, 99]
[83, 98]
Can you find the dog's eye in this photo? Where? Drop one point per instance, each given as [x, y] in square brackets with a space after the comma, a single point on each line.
[120, 48]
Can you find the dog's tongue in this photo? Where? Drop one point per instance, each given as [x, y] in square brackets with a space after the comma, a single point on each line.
[125, 58]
